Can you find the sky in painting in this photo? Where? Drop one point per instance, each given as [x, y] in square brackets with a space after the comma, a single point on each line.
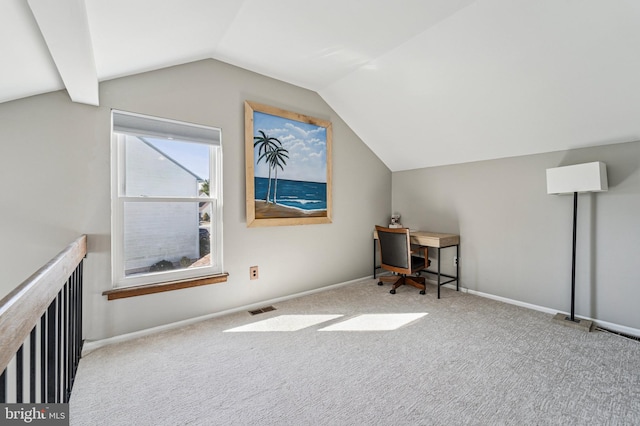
[306, 145]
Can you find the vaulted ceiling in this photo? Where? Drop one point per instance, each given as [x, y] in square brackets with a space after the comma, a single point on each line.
[422, 82]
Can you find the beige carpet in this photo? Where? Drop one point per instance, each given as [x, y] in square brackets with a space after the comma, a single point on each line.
[468, 361]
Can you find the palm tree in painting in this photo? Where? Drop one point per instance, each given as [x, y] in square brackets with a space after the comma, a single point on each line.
[277, 158]
[266, 145]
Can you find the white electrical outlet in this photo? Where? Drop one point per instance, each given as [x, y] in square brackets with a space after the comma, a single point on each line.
[455, 260]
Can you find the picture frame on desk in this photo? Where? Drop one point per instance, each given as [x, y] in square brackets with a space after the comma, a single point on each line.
[288, 167]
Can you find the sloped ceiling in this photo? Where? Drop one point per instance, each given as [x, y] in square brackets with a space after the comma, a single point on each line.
[422, 82]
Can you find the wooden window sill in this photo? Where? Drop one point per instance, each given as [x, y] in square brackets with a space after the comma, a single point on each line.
[120, 293]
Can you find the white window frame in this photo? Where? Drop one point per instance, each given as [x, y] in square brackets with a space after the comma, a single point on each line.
[118, 199]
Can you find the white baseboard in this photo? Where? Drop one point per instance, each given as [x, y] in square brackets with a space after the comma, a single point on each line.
[599, 323]
[91, 345]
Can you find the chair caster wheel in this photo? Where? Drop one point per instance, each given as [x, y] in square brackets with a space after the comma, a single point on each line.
[422, 292]
[392, 291]
[379, 282]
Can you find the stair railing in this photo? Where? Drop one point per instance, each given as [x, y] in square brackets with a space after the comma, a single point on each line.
[41, 331]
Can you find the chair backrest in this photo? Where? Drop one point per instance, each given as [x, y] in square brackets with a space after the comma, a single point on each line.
[395, 249]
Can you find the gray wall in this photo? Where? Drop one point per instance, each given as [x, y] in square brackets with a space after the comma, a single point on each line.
[516, 239]
[55, 185]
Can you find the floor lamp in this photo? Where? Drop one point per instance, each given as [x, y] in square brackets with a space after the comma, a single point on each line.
[587, 177]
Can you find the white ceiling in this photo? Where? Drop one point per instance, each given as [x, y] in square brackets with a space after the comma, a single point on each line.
[422, 82]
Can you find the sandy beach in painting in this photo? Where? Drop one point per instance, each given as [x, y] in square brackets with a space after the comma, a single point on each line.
[273, 211]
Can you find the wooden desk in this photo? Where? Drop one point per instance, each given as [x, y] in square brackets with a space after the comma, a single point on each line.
[435, 240]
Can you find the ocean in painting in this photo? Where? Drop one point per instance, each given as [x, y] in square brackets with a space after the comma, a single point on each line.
[307, 196]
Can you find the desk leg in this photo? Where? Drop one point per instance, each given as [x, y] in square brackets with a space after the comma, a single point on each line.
[374, 258]
[457, 267]
[438, 272]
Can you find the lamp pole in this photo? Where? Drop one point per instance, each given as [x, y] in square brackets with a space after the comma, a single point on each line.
[573, 258]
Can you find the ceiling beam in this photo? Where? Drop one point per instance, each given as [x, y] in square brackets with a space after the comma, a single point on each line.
[65, 28]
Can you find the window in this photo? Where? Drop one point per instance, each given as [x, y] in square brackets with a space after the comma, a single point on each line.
[166, 200]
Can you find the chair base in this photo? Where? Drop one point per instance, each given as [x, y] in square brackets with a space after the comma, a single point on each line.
[400, 280]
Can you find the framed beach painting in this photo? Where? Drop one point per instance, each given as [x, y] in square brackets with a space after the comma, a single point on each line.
[288, 167]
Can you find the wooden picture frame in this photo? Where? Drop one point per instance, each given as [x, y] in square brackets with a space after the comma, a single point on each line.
[288, 167]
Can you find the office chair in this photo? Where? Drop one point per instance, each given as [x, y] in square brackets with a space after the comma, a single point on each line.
[396, 256]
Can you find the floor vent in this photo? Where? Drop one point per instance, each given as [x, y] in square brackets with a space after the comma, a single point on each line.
[262, 310]
[628, 336]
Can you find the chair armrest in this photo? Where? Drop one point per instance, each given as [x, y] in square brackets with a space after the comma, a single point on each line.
[420, 251]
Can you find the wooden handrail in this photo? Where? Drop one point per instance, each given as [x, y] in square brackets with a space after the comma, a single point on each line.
[21, 309]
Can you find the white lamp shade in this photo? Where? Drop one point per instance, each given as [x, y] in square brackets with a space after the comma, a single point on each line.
[587, 177]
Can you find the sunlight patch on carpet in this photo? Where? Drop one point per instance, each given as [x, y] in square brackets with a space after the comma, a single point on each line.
[375, 322]
[285, 323]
